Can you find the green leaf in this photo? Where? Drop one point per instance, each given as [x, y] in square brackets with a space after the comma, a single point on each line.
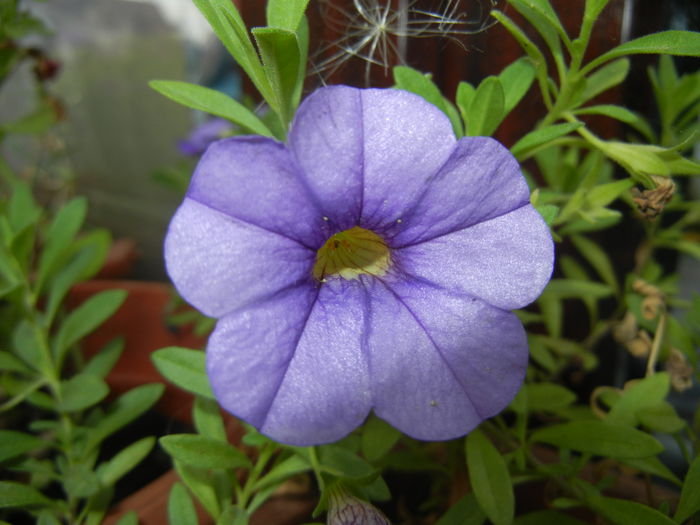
[486, 110]
[60, 234]
[212, 102]
[622, 512]
[516, 80]
[199, 481]
[612, 111]
[342, 462]
[548, 211]
[689, 503]
[465, 512]
[598, 259]
[548, 396]
[124, 410]
[47, 518]
[604, 194]
[601, 438]
[281, 55]
[130, 518]
[27, 342]
[207, 418]
[185, 368]
[644, 393]
[661, 417]
[14, 443]
[233, 516]
[533, 140]
[489, 478]
[79, 481]
[289, 467]
[606, 77]
[463, 98]
[9, 363]
[125, 460]
[378, 437]
[654, 466]
[414, 81]
[543, 18]
[22, 211]
[82, 391]
[102, 363]
[203, 452]
[683, 43]
[285, 14]
[181, 509]
[573, 288]
[19, 495]
[594, 7]
[228, 25]
[36, 122]
[84, 319]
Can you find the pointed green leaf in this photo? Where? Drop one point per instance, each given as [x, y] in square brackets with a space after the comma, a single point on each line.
[516, 80]
[465, 512]
[486, 110]
[597, 258]
[82, 391]
[606, 77]
[548, 396]
[212, 102]
[689, 503]
[19, 495]
[125, 460]
[488, 474]
[181, 509]
[102, 363]
[184, 367]
[285, 14]
[622, 512]
[207, 418]
[203, 452]
[601, 438]
[533, 140]
[644, 393]
[14, 443]
[378, 437]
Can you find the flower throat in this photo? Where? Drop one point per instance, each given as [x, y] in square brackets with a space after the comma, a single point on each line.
[351, 253]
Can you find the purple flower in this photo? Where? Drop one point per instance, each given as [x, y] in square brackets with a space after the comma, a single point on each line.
[204, 134]
[368, 264]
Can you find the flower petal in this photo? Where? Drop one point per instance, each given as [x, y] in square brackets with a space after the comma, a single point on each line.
[368, 153]
[293, 366]
[506, 261]
[480, 181]
[256, 180]
[218, 263]
[441, 362]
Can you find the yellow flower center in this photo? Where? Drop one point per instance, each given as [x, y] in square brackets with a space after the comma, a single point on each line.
[352, 253]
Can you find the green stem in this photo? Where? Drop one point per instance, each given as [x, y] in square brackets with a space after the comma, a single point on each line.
[266, 452]
[316, 466]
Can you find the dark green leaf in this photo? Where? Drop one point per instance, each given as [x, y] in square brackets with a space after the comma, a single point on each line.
[465, 512]
[82, 391]
[204, 452]
[601, 438]
[541, 15]
[102, 363]
[606, 77]
[212, 102]
[546, 517]
[181, 509]
[661, 418]
[79, 481]
[654, 466]
[207, 418]
[19, 495]
[598, 259]
[341, 462]
[125, 460]
[622, 512]
[130, 518]
[548, 396]
[10, 363]
[199, 481]
[287, 468]
[86, 318]
[184, 367]
[378, 437]
[644, 393]
[689, 503]
[573, 288]
[488, 474]
[14, 443]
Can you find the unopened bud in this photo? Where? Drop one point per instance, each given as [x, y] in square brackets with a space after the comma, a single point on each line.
[346, 509]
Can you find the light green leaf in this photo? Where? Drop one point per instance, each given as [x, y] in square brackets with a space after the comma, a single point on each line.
[516, 80]
[125, 460]
[573, 288]
[541, 15]
[654, 466]
[606, 77]
[488, 474]
[285, 469]
[203, 452]
[463, 97]
[281, 55]
[540, 137]
[594, 7]
[82, 391]
[486, 110]
[124, 410]
[682, 43]
[548, 396]
[601, 438]
[19, 495]
[285, 14]
[342, 462]
[84, 319]
[644, 393]
[378, 437]
[200, 483]
[548, 211]
[181, 509]
[14, 443]
[233, 516]
[661, 417]
[212, 102]
[598, 259]
[689, 503]
[207, 418]
[130, 518]
[79, 481]
[102, 363]
[184, 367]
[9, 362]
[604, 194]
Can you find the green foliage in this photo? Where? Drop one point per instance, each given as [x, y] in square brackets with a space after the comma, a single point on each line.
[185, 368]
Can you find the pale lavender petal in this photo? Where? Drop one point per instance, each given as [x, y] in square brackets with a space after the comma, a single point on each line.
[506, 261]
[218, 263]
[294, 366]
[441, 362]
[480, 181]
[256, 180]
[369, 153]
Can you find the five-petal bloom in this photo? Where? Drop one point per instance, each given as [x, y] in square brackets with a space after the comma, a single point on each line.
[315, 327]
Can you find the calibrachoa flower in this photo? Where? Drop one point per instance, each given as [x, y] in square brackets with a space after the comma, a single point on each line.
[368, 264]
